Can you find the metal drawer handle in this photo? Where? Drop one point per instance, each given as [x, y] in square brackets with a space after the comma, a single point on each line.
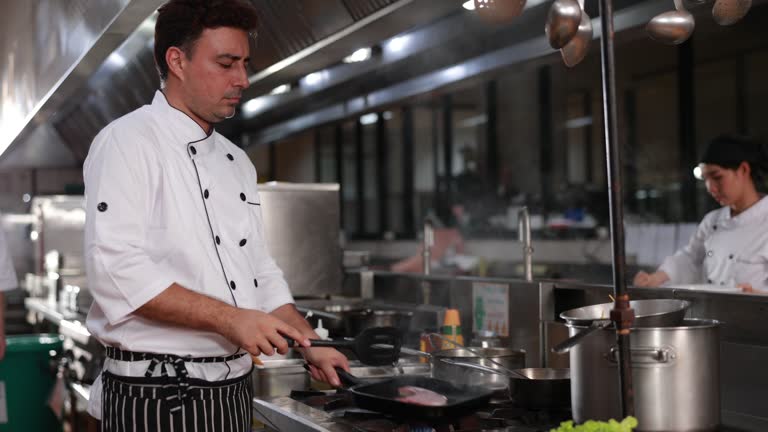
[644, 355]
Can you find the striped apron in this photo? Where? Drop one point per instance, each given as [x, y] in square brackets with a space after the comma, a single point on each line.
[173, 403]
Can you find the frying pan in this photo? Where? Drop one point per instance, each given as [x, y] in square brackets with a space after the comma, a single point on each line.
[648, 313]
[381, 396]
[375, 346]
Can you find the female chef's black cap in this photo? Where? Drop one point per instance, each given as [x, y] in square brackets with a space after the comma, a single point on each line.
[729, 151]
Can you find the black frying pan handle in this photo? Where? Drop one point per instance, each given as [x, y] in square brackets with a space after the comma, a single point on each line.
[347, 379]
[323, 343]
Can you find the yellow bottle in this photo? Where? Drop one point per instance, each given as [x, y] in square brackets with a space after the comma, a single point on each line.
[451, 329]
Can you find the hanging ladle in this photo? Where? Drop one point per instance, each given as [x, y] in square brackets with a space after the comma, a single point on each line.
[562, 22]
[577, 48]
[499, 11]
[673, 27]
[727, 12]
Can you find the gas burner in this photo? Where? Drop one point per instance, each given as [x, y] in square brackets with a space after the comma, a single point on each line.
[501, 415]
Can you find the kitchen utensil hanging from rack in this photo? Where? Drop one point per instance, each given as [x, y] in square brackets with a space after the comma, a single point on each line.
[673, 27]
[577, 48]
[569, 29]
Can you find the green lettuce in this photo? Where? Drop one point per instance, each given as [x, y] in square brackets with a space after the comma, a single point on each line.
[626, 425]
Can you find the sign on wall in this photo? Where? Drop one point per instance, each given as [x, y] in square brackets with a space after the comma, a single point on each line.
[490, 308]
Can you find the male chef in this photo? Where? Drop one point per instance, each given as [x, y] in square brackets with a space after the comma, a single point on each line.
[184, 287]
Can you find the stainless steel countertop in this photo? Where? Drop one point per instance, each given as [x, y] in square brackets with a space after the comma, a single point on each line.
[50, 310]
[70, 324]
[286, 414]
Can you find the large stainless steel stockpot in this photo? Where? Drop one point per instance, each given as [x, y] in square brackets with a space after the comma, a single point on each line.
[675, 374]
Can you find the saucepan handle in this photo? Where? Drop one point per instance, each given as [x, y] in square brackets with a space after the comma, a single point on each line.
[566, 345]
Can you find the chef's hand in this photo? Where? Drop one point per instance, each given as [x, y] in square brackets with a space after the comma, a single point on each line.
[652, 280]
[260, 333]
[747, 288]
[322, 363]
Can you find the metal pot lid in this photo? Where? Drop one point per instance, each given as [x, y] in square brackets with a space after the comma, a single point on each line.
[643, 309]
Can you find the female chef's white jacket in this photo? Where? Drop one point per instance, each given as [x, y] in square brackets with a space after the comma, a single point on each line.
[725, 250]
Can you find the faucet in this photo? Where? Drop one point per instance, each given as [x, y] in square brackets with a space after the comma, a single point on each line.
[524, 236]
[429, 241]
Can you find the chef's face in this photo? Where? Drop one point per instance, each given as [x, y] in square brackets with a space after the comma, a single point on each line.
[726, 185]
[216, 73]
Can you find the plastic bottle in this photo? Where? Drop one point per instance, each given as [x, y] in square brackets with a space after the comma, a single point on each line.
[322, 332]
[451, 329]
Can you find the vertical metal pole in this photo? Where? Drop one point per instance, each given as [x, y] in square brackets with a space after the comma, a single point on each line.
[622, 314]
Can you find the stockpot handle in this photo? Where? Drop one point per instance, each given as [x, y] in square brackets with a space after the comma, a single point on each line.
[644, 355]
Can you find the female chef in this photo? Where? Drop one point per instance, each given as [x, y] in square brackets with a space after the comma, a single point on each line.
[730, 246]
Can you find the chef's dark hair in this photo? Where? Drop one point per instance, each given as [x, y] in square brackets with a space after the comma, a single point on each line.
[181, 22]
[729, 151]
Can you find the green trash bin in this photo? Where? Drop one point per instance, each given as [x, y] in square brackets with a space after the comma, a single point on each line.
[26, 381]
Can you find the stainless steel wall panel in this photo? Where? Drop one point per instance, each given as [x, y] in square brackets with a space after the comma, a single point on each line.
[452, 292]
[302, 225]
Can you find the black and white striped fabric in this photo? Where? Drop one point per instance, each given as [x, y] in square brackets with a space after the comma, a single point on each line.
[173, 403]
[139, 404]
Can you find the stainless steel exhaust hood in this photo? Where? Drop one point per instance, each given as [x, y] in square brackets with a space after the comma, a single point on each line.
[95, 62]
[51, 48]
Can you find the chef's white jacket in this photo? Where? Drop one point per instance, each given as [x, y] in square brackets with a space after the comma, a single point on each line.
[725, 250]
[167, 203]
[8, 280]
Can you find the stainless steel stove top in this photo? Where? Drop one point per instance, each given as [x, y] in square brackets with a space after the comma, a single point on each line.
[334, 412]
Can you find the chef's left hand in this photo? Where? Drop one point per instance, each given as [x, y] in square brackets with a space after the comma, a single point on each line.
[747, 288]
[322, 362]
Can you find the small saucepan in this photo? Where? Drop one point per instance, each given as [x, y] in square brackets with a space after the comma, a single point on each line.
[537, 388]
[492, 358]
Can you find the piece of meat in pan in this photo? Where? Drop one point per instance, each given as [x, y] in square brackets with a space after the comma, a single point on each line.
[420, 396]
